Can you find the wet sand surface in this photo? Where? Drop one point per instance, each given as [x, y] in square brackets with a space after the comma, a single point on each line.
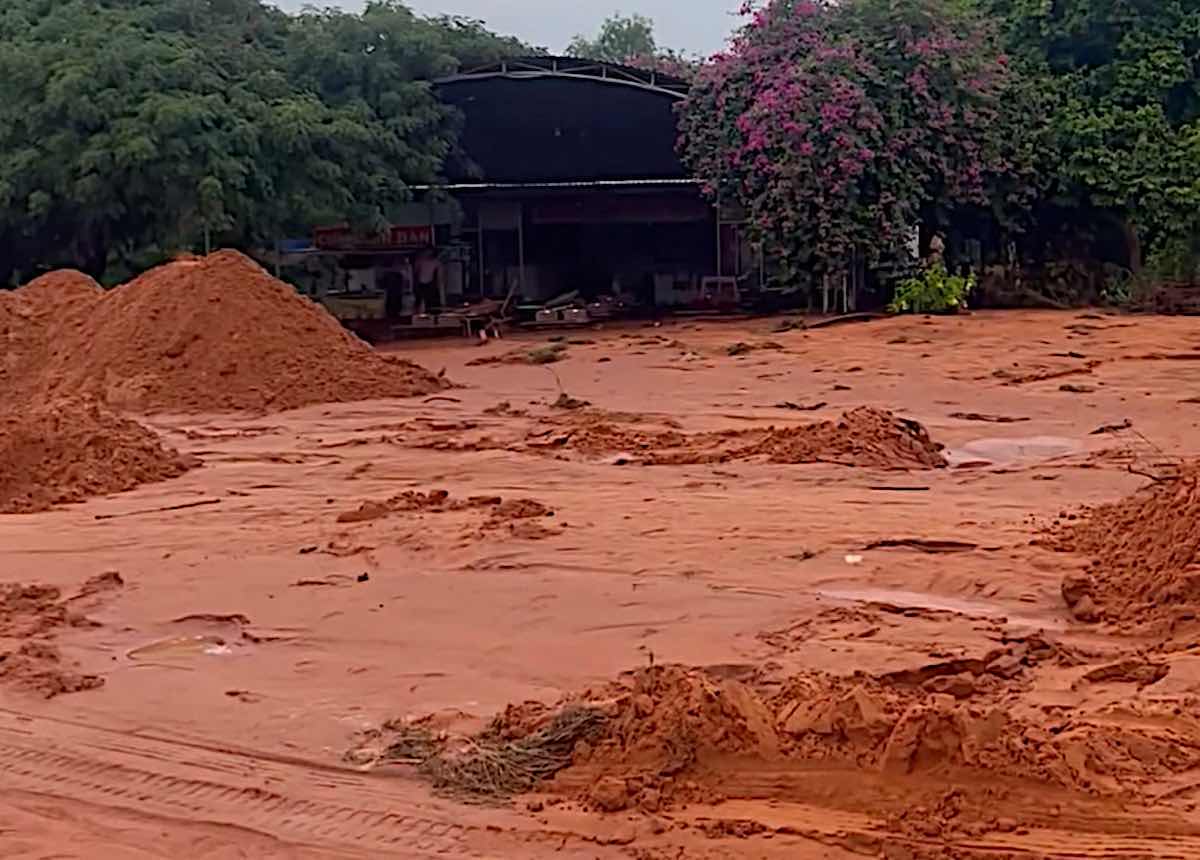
[255, 634]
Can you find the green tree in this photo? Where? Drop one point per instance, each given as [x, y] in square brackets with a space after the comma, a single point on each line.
[133, 128]
[1126, 79]
[621, 39]
[630, 41]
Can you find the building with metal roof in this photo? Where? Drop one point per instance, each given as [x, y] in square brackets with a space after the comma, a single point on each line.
[568, 178]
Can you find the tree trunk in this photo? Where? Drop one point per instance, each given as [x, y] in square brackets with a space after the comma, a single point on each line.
[91, 251]
[1133, 245]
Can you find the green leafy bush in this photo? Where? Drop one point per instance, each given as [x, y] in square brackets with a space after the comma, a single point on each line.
[932, 292]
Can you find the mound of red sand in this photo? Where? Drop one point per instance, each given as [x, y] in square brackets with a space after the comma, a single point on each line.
[196, 335]
[29, 318]
[71, 450]
[214, 334]
[865, 437]
[669, 735]
[1145, 552]
[53, 290]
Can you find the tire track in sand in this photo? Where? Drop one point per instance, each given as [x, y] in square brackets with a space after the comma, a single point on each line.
[339, 809]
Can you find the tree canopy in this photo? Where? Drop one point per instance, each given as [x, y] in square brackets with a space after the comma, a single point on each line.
[621, 39]
[1125, 79]
[836, 124]
[630, 40]
[130, 127]
[840, 126]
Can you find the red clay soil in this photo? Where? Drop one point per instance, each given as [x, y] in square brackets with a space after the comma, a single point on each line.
[195, 335]
[30, 618]
[669, 736]
[1144, 549]
[865, 437]
[28, 317]
[500, 511]
[218, 334]
[70, 450]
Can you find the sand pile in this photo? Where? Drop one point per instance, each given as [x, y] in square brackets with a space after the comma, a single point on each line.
[669, 735]
[196, 335]
[30, 317]
[213, 334]
[865, 437]
[70, 450]
[1145, 553]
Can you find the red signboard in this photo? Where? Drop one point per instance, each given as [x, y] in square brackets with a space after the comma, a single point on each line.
[397, 236]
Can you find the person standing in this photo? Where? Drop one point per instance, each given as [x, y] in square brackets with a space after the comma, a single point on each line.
[428, 274]
[397, 281]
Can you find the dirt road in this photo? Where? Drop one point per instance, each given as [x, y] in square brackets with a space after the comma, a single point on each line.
[305, 598]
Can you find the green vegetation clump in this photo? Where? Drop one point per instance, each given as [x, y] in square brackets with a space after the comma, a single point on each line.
[934, 291]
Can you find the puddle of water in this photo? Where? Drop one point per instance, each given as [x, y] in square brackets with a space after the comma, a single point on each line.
[1013, 450]
[181, 646]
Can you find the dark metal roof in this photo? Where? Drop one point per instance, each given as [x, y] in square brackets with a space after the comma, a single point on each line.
[555, 120]
[526, 68]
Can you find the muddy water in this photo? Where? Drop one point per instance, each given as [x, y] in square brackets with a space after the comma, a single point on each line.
[438, 612]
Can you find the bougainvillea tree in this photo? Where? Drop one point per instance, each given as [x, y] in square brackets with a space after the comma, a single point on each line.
[837, 126]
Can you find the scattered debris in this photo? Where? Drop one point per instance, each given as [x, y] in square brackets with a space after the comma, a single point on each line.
[864, 437]
[504, 408]
[1134, 670]
[743, 348]
[1112, 428]
[787, 404]
[566, 401]
[991, 419]
[489, 765]
[934, 547]
[31, 616]
[544, 354]
[202, 503]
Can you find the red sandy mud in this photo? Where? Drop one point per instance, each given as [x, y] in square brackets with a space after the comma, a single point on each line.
[828, 663]
[665, 737]
[499, 510]
[520, 518]
[865, 437]
[208, 334]
[31, 617]
[219, 333]
[70, 450]
[1145, 552]
[29, 317]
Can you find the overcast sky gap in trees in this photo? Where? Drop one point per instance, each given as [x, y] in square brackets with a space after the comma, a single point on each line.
[690, 26]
